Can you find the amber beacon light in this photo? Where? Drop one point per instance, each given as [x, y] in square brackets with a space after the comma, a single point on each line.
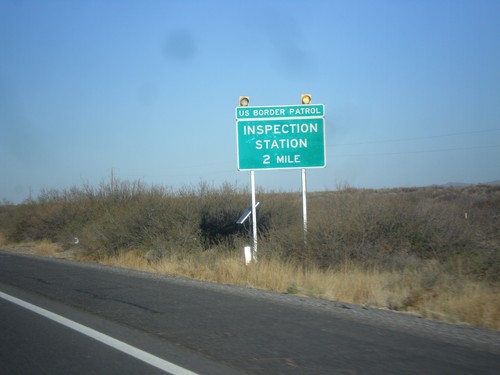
[306, 99]
[244, 101]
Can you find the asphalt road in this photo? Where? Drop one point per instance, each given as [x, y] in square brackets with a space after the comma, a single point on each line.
[215, 329]
[33, 344]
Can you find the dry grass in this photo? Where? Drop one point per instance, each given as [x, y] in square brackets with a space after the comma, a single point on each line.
[477, 304]
[431, 295]
[128, 260]
[46, 247]
[3, 240]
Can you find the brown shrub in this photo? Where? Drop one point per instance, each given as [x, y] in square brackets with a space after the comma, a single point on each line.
[390, 228]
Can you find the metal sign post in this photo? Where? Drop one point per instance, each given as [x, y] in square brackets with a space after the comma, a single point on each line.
[254, 217]
[247, 251]
[304, 204]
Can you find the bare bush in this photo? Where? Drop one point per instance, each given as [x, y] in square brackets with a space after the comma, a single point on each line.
[391, 228]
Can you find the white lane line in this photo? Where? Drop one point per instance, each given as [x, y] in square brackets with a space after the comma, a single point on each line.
[105, 339]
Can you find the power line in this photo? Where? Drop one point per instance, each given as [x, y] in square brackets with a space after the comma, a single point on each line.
[419, 152]
[416, 138]
[178, 168]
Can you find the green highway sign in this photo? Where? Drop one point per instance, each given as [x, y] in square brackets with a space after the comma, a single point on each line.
[280, 143]
[281, 111]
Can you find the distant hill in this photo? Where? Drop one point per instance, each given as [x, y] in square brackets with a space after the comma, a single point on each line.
[496, 182]
[456, 184]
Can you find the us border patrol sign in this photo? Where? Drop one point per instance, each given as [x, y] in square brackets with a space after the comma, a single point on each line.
[281, 137]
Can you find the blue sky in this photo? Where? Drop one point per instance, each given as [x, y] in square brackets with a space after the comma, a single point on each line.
[148, 89]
